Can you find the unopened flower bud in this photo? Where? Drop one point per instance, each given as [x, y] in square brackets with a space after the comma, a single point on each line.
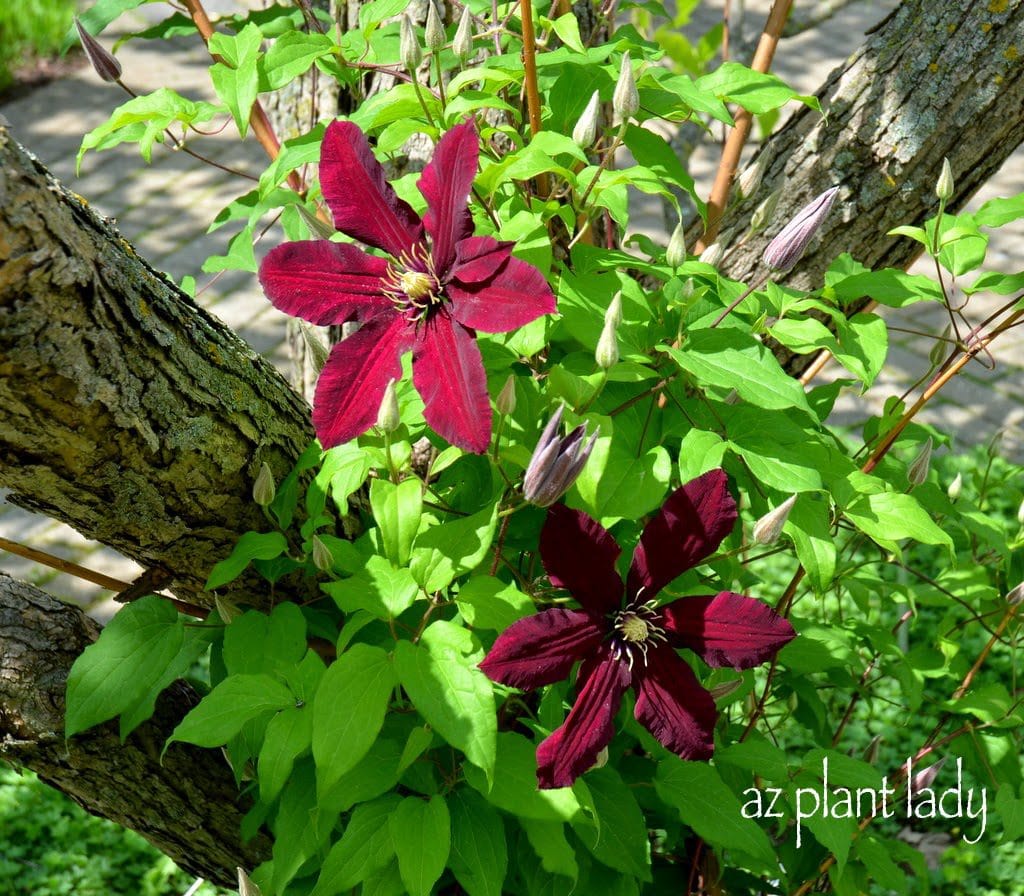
[388, 416]
[409, 45]
[556, 462]
[506, 400]
[749, 180]
[626, 99]
[1015, 595]
[607, 352]
[227, 610]
[323, 559]
[102, 61]
[462, 43]
[786, 249]
[724, 689]
[316, 348]
[675, 254]
[764, 213]
[925, 778]
[602, 759]
[585, 132]
[953, 492]
[941, 347]
[245, 886]
[768, 529]
[871, 750]
[918, 470]
[433, 34]
[317, 227]
[613, 313]
[713, 254]
[944, 185]
[1020, 513]
[263, 489]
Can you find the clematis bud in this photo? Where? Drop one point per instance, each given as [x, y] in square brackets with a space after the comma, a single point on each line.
[585, 132]
[602, 759]
[918, 470]
[944, 185]
[1020, 513]
[556, 461]
[786, 249]
[871, 750]
[926, 777]
[245, 886]
[713, 254]
[317, 228]
[323, 559]
[462, 44]
[626, 99]
[724, 689]
[1015, 595]
[613, 312]
[388, 416]
[506, 400]
[763, 214]
[941, 346]
[607, 352]
[102, 61]
[953, 492]
[227, 610]
[675, 254]
[768, 529]
[409, 45]
[433, 34]
[263, 489]
[750, 179]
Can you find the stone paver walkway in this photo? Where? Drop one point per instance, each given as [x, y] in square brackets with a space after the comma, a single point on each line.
[164, 209]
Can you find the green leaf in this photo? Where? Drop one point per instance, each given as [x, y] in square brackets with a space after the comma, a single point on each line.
[378, 588]
[754, 91]
[897, 289]
[708, 806]
[809, 527]
[144, 648]
[1000, 211]
[553, 849]
[96, 17]
[251, 546]
[397, 510]
[292, 55]
[616, 483]
[349, 709]
[255, 642]
[479, 854]
[732, 359]
[1011, 812]
[699, 452]
[421, 832]
[514, 785]
[621, 840]
[441, 677]
[221, 714]
[885, 516]
[453, 548]
[365, 847]
[568, 30]
[235, 79]
[487, 602]
[289, 734]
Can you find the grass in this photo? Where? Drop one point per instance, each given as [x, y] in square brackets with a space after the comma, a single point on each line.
[31, 29]
[50, 846]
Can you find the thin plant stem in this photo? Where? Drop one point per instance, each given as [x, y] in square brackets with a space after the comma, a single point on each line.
[530, 66]
[65, 566]
[741, 130]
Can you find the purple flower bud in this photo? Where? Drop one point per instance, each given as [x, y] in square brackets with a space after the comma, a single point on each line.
[556, 462]
[104, 64]
[786, 249]
[925, 778]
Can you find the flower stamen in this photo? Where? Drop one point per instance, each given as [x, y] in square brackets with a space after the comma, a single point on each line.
[634, 630]
[411, 283]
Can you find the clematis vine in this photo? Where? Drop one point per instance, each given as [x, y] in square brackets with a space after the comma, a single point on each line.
[623, 638]
[438, 287]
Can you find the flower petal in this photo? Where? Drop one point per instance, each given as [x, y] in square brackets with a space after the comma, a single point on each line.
[727, 629]
[352, 383]
[690, 526]
[324, 283]
[445, 183]
[542, 648]
[514, 296]
[672, 705]
[478, 258]
[449, 375]
[574, 748]
[357, 190]
[579, 555]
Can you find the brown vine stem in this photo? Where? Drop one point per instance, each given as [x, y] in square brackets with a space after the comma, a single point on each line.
[262, 130]
[1008, 617]
[530, 81]
[741, 129]
[66, 566]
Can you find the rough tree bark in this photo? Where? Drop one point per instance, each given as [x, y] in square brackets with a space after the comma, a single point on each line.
[933, 80]
[131, 414]
[125, 409]
[187, 805]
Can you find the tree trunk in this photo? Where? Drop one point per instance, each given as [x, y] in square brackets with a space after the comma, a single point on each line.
[187, 805]
[934, 80]
[125, 409]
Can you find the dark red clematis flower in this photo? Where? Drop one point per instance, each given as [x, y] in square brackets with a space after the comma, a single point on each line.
[624, 639]
[440, 285]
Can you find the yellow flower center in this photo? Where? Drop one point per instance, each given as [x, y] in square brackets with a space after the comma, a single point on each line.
[633, 628]
[416, 285]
